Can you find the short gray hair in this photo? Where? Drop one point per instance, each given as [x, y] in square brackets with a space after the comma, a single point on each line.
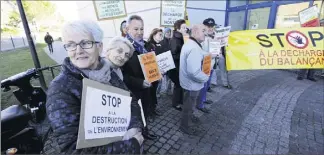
[133, 17]
[113, 43]
[83, 26]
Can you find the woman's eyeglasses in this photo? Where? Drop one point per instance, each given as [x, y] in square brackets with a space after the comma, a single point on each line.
[82, 44]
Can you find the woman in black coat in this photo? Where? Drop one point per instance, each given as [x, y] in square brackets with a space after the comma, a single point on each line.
[176, 44]
[155, 43]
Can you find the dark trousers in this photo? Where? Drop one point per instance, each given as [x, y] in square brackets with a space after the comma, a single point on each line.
[146, 98]
[153, 93]
[177, 97]
[189, 104]
[50, 47]
[203, 93]
[310, 73]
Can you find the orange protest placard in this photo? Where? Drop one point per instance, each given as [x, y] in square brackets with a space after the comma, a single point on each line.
[150, 67]
[207, 64]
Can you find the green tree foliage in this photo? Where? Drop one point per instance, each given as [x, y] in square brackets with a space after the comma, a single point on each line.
[34, 10]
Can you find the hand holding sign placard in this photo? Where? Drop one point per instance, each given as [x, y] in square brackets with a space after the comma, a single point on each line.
[150, 67]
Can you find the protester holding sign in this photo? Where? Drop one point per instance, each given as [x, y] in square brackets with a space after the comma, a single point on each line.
[210, 33]
[155, 41]
[132, 70]
[176, 44]
[83, 42]
[192, 77]
[166, 84]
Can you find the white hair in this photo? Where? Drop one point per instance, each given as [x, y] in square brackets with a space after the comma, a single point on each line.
[113, 43]
[133, 17]
[85, 27]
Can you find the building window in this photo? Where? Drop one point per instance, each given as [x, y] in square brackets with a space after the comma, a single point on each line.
[287, 15]
[237, 3]
[258, 1]
[236, 20]
[258, 18]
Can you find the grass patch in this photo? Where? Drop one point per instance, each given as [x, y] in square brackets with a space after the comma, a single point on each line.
[19, 60]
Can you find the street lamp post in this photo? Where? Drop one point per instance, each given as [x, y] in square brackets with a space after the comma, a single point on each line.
[31, 44]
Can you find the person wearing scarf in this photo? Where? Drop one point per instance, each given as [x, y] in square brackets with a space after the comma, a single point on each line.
[155, 43]
[132, 71]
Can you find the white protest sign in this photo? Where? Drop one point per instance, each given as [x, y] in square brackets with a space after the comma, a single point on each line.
[110, 9]
[165, 61]
[214, 47]
[105, 114]
[171, 11]
[221, 35]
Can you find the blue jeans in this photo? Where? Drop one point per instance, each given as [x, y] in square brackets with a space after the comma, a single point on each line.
[203, 92]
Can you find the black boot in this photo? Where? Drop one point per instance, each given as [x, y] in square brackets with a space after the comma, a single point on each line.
[147, 135]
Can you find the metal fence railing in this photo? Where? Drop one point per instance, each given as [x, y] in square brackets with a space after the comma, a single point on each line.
[13, 42]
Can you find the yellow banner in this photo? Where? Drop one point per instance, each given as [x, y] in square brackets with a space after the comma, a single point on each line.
[276, 49]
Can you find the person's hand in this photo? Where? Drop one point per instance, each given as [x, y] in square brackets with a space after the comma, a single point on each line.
[146, 84]
[131, 133]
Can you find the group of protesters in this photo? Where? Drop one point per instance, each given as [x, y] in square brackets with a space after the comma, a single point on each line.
[120, 67]
[161, 41]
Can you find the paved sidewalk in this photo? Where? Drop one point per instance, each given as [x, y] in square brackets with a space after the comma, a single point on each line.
[59, 52]
[266, 112]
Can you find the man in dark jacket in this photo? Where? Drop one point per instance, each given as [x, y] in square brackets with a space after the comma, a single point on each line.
[176, 44]
[132, 71]
[49, 40]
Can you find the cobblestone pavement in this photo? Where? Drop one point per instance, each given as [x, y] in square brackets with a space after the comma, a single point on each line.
[266, 112]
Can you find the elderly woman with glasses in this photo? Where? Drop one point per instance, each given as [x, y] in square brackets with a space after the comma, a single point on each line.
[83, 42]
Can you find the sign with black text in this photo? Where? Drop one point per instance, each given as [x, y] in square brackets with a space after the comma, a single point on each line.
[150, 66]
[171, 11]
[221, 35]
[105, 114]
[165, 61]
[110, 9]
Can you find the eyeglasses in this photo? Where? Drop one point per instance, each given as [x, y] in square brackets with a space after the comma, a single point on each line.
[82, 44]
